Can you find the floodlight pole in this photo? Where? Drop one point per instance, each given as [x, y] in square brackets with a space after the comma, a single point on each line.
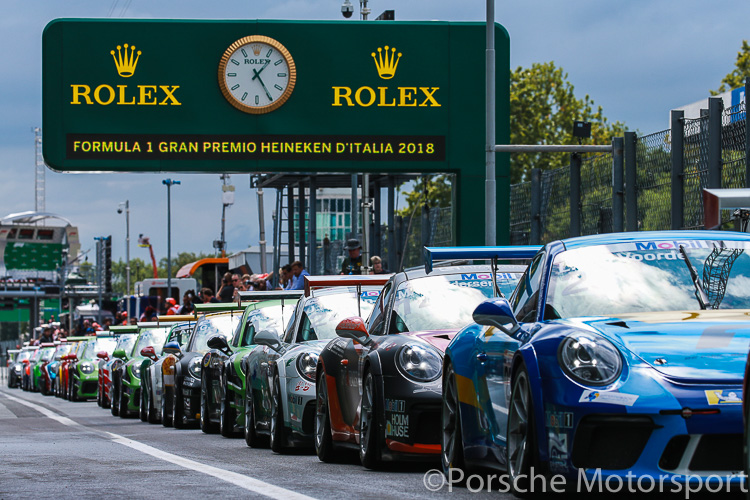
[169, 183]
[490, 190]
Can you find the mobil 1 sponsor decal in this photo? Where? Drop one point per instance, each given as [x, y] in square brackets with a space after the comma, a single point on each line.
[482, 280]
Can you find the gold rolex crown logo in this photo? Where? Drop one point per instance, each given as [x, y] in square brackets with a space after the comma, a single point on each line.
[124, 62]
[386, 63]
[256, 49]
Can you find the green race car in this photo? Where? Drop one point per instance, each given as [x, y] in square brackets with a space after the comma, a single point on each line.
[83, 374]
[127, 378]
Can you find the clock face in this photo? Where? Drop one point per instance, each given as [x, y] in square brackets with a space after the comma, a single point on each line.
[257, 74]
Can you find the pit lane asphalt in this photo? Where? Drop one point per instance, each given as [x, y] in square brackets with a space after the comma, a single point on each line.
[45, 455]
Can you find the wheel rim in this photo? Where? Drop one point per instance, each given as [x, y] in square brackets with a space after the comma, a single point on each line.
[248, 414]
[321, 411]
[365, 417]
[450, 410]
[518, 426]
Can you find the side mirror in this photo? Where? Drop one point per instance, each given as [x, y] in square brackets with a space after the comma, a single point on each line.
[353, 328]
[119, 354]
[267, 338]
[219, 342]
[498, 313]
[171, 348]
[148, 352]
[101, 355]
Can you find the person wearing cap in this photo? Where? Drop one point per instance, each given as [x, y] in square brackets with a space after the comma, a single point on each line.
[353, 263]
[172, 304]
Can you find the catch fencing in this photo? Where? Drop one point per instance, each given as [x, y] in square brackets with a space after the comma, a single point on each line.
[658, 186]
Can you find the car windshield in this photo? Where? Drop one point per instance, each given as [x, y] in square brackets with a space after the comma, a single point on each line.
[181, 334]
[36, 356]
[125, 342]
[47, 353]
[103, 344]
[266, 318]
[23, 355]
[153, 337]
[62, 350]
[445, 302]
[648, 276]
[223, 324]
[326, 311]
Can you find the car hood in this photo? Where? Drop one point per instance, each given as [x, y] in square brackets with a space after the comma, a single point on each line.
[436, 338]
[707, 345]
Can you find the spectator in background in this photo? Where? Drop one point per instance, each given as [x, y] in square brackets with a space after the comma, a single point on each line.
[208, 296]
[173, 306]
[353, 263]
[187, 306]
[226, 292]
[377, 265]
[107, 322]
[298, 276]
[148, 313]
[47, 335]
[246, 282]
[285, 277]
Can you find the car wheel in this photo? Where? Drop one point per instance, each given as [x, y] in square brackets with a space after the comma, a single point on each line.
[99, 396]
[151, 415]
[521, 450]
[369, 451]
[124, 412]
[166, 405]
[227, 416]
[74, 392]
[278, 438]
[178, 407]
[323, 439]
[452, 446]
[251, 436]
[206, 425]
[142, 407]
[115, 397]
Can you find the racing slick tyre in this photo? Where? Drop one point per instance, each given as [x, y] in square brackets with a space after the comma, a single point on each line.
[142, 407]
[166, 404]
[521, 452]
[252, 438]
[124, 413]
[151, 416]
[99, 397]
[452, 446]
[73, 391]
[323, 439]
[43, 388]
[227, 417]
[278, 438]
[115, 408]
[178, 408]
[206, 425]
[369, 451]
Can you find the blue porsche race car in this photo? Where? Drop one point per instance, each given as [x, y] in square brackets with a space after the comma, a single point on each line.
[617, 354]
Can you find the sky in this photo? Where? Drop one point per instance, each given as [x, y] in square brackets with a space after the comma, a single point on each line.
[637, 59]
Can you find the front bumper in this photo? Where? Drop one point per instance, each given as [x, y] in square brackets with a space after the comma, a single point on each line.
[191, 398]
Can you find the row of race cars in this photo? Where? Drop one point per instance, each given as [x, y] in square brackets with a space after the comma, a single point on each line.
[602, 355]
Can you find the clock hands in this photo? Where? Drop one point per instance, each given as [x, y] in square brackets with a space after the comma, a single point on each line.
[256, 74]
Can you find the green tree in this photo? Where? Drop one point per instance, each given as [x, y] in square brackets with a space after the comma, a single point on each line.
[741, 70]
[543, 107]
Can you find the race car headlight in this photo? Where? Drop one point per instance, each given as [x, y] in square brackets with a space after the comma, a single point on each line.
[306, 365]
[87, 368]
[590, 359]
[135, 370]
[420, 363]
[194, 368]
[17, 368]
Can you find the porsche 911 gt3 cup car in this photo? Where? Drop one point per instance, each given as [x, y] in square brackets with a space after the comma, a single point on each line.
[378, 386]
[617, 354]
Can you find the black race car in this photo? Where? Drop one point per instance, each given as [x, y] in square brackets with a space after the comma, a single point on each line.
[378, 386]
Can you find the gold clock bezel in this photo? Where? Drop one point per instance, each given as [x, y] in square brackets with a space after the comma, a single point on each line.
[256, 110]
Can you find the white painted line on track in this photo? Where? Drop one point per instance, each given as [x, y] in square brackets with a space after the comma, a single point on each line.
[245, 482]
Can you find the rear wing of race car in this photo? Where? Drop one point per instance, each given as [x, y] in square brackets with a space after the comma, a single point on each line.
[174, 318]
[121, 329]
[518, 252]
[217, 307]
[312, 282]
[257, 296]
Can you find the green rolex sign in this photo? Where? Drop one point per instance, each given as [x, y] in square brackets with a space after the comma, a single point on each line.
[274, 96]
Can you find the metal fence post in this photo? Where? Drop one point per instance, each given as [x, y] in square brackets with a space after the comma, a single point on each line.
[618, 182]
[313, 227]
[747, 136]
[535, 236]
[575, 194]
[678, 141]
[631, 180]
[715, 107]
